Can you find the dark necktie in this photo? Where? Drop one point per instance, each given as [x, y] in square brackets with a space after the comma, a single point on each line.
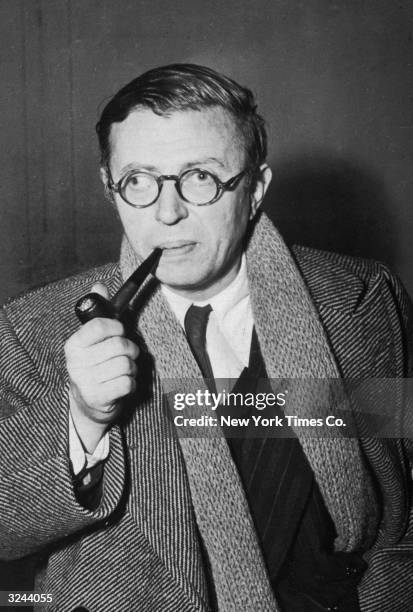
[196, 321]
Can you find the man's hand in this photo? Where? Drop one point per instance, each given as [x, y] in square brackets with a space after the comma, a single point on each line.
[101, 364]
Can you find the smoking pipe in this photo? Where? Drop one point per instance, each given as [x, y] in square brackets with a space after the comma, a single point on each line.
[94, 305]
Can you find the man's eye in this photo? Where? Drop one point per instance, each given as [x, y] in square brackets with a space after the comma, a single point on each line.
[201, 176]
[134, 180]
[139, 181]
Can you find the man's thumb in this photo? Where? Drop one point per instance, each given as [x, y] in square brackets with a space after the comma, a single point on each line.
[101, 289]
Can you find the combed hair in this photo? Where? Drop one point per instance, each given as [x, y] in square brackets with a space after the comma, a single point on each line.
[180, 87]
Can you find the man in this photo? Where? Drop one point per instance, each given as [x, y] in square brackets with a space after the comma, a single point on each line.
[124, 515]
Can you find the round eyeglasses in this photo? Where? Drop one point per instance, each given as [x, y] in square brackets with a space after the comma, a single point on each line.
[196, 186]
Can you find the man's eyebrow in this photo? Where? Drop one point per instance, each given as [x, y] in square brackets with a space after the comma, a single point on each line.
[206, 160]
[190, 164]
[135, 166]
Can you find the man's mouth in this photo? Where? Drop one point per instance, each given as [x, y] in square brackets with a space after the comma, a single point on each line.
[176, 248]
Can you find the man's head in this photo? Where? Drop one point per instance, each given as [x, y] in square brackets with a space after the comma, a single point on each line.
[170, 121]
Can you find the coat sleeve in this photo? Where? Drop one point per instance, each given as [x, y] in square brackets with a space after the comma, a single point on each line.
[37, 499]
[405, 339]
[405, 315]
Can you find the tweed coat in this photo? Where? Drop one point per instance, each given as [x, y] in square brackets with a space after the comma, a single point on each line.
[138, 550]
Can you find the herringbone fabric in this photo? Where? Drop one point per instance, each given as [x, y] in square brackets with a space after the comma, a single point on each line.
[372, 338]
[139, 550]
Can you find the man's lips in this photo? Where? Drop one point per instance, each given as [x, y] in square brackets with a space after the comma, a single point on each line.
[176, 247]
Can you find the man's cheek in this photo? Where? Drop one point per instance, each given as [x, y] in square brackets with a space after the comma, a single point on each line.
[138, 239]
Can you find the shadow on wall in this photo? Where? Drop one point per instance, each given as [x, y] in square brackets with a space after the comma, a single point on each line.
[333, 204]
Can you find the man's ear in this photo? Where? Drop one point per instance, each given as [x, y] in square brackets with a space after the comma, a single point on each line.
[105, 180]
[262, 181]
[104, 175]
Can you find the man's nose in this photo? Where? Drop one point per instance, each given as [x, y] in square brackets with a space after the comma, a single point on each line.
[170, 208]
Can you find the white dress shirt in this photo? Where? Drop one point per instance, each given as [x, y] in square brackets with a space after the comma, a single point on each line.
[79, 458]
[228, 343]
[229, 329]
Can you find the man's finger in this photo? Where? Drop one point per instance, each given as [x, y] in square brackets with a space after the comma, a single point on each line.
[94, 331]
[106, 350]
[117, 388]
[115, 368]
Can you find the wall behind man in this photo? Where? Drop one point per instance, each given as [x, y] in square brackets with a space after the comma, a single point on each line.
[334, 80]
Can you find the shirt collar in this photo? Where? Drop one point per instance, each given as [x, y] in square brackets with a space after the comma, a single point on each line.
[221, 303]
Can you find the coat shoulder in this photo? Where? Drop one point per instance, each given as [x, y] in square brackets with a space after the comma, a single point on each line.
[364, 309]
[339, 281]
[57, 296]
[334, 263]
[43, 318]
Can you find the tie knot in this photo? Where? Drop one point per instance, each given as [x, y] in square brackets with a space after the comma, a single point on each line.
[196, 321]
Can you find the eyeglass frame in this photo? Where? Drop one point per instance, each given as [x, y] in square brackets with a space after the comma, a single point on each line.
[222, 186]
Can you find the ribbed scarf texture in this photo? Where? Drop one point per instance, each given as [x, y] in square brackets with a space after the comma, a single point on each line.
[293, 346]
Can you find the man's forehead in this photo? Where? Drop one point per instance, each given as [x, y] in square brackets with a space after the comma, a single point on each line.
[187, 136]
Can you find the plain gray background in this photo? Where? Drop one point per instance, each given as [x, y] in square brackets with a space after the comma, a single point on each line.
[333, 78]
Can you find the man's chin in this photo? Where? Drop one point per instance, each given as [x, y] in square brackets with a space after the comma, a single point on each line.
[180, 283]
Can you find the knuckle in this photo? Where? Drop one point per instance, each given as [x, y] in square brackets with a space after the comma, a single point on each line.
[115, 327]
[97, 399]
[117, 345]
[122, 344]
[97, 326]
[133, 368]
[118, 327]
[124, 363]
[134, 350]
[108, 408]
[108, 326]
[125, 385]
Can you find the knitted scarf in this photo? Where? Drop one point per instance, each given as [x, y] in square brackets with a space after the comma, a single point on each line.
[293, 346]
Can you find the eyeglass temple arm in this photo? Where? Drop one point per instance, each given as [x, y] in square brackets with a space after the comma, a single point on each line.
[234, 180]
[110, 182]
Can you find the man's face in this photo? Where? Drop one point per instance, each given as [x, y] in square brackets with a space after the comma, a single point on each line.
[202, 245]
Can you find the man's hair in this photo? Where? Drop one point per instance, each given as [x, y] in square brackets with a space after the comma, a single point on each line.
[180, 87]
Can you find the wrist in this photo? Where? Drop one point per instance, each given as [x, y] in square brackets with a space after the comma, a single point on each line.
[89, 430]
